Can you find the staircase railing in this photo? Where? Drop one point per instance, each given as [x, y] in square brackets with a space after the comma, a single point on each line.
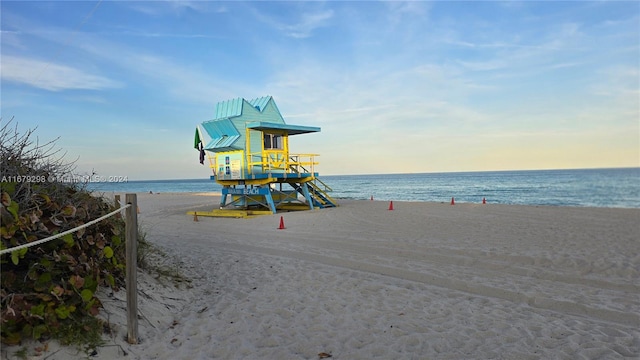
[269, 161]
[321, 195]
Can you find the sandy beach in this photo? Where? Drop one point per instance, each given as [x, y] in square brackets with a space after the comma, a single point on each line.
[360, 281]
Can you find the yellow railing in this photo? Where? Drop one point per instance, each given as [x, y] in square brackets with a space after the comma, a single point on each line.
[269, 161]
[212, 163]
[274, 161]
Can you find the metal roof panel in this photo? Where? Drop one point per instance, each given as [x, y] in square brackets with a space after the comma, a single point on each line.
[290, 129]
[223, 134]
[228, 108]
[260, 103]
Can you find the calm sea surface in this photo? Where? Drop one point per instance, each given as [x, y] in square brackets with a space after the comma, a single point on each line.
[588, 187]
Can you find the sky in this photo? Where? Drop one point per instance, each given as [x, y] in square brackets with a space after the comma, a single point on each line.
[396, 87]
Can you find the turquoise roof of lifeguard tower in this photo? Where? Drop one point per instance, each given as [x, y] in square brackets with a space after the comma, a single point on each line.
[225, 131]
[232, 108]
[290, 129]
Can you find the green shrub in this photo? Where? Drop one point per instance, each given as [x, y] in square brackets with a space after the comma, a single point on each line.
[48, 291]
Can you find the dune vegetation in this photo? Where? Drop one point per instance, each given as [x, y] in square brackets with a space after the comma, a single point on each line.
[48, 291]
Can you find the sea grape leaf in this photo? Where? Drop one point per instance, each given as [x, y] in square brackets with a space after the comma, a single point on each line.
[6, 233]
[76, 281]
[86, 295]
[110, 280]
[57, 291]
[6, 199]
[37, 310]
[31, 238]
[81, 213]
[100, 243]
[17, 255]
[9, 187]
[68, 239]
[69, 211]
[46, 263]
[27, 329]
[43, 282]
[90, 283]
[63, 312]
[13, 209]
[108, 252]
[39, 330]
[14, 258]
[93, 306]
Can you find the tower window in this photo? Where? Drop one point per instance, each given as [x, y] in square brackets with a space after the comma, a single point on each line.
[272, 141]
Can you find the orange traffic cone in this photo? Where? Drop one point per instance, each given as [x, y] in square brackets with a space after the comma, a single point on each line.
[484, 200]
[453, 202]
[195, 216]
[391, 205]
[281, 227]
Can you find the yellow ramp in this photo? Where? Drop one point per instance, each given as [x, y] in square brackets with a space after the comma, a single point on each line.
[229, 213]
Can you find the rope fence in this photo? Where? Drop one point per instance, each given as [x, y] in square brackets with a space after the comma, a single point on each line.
[42, 241]
[131, 239]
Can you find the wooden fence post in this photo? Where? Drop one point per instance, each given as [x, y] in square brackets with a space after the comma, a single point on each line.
[131, 230]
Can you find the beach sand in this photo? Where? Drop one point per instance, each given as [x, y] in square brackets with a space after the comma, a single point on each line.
[422, 281]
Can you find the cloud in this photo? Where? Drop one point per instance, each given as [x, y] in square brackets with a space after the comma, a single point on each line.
[167, 35]
[12, 39]
[173, 7]
[399, 11]
[488, 65]
[179, 79]
[308, 23]
[303, 26]
[50, 76]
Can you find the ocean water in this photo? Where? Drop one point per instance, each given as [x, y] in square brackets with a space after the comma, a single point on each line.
[618, 187]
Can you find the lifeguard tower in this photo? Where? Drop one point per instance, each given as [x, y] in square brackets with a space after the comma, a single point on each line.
[247, 147]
